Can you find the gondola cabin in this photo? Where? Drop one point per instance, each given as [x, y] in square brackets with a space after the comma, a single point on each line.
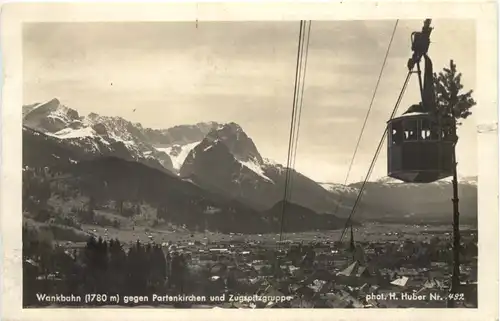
[419, 149]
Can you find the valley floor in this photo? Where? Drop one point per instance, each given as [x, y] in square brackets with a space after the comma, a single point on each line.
[307, 270]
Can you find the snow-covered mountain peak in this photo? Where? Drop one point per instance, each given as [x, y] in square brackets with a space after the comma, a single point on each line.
[115, 127]
[50, 116]
[227, 132]
[472, 180]
[388, 181]
[229, 127]
[338, 188]
[75, 133]
[94, 134]
[257, 168]
[207, 125]
[178, 153]
[237, 141]
[49, 105]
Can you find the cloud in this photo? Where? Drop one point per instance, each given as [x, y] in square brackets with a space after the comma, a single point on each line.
[174, 73]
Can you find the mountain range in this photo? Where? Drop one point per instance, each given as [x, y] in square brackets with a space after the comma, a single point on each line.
[220, 164]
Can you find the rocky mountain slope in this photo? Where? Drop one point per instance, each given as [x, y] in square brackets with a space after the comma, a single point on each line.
[234, 167]
[398, 201]
[227, 160]
[152, 193]
[389, 200]
[222, 159]
[111, 136]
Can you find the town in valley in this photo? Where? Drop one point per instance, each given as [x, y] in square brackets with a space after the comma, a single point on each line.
[153, 177]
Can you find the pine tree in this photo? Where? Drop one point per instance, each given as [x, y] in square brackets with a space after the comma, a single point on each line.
[453, 106]
[117, 266]
[91, 204]
[119, 206]
[90, 272]
[451, 101]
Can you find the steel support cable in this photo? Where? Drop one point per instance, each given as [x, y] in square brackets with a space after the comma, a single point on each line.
[367, 115]
[298, 114]
[292, 123]
[293, 147]
[374, 160]
[299, 117]
[375, 156]
[293, 133]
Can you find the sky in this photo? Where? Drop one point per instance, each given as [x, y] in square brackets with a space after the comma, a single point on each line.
[174, 73]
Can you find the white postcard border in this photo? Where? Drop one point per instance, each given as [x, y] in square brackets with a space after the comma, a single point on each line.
[14, 15]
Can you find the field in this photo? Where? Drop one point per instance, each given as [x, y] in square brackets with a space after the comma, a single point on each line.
[369, 232]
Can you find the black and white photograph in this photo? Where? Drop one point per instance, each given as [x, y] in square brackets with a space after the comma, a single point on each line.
[250, 164]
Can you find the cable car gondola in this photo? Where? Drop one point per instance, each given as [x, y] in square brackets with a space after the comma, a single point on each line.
[419, 148]
[420, 143]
